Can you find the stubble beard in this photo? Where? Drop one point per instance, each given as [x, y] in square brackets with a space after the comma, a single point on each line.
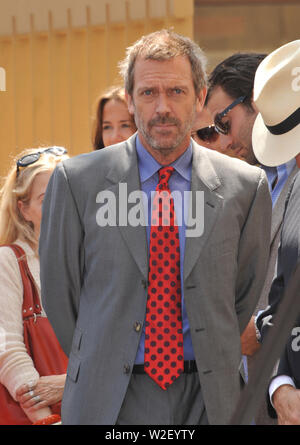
[165, 146]
[246, 136]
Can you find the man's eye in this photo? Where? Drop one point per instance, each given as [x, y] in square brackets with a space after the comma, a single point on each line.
[147, 92]
[177, 90]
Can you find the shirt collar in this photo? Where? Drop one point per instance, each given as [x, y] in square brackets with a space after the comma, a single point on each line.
[148, 166]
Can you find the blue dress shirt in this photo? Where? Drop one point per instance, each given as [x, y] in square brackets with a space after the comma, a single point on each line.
[280, 173]
[180, 181]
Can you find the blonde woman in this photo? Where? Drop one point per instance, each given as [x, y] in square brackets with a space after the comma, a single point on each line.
[20, 217]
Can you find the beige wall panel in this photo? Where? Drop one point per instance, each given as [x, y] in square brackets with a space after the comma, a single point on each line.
[117, 11]
[23, 92]
[7, 110]
[22, 14]
[98, 70]
[78, 13]
[6, 19]
[224, 30]
[135, 30]
[157, 8]
[60, 90]
[79, 104]
[41, 91]
[116, 51]
[97, 11]
[137, 9]
[290, 23]
[40, 12]
[59, 11]
[181, 8]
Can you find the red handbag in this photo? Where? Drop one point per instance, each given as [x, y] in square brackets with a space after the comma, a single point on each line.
[41, 344]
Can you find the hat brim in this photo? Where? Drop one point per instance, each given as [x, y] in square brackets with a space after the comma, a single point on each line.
[273, 150]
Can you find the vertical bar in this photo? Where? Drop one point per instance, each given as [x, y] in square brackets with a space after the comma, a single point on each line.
[14, 34]
[50, 64]
[88, 62]
[107, 33]
[32, 75]
[69, 37]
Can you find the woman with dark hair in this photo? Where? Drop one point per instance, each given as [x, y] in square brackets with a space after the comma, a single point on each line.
[113, 122]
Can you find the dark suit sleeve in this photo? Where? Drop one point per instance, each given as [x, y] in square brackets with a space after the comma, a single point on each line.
[61, 257]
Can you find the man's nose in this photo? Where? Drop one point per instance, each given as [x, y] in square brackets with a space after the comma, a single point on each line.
[116, 136]
[162, 104]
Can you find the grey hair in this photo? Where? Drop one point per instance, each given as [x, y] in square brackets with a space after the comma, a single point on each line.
[164, 45]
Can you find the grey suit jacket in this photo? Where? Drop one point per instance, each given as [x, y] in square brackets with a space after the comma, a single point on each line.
[94, 279]
[276, 225]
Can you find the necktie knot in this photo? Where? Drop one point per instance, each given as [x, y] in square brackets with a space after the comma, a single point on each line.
[164, 175]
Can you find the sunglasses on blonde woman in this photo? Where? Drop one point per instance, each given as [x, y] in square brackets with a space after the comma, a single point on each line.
[34, 157]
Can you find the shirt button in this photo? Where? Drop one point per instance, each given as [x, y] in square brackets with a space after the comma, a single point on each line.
[126, 369]
[137, 326]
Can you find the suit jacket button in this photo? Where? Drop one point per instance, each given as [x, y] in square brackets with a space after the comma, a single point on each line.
[144, 284]
[137, 326]
[126, 369]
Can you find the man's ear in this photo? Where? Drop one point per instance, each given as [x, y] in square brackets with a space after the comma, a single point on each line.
[201, 99]
[129, 101]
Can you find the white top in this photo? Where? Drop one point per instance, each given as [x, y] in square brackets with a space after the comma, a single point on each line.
[16, 366]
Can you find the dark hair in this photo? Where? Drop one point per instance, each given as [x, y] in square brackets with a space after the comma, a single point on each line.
[235, 75]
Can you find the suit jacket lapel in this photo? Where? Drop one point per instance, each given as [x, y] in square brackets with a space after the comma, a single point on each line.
[126, 179]
[204, 179]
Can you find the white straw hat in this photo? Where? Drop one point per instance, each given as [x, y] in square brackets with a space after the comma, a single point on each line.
[276, 94]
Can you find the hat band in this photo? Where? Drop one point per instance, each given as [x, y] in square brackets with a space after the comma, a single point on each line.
[288, 124]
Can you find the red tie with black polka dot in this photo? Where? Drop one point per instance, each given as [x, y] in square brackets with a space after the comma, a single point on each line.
[163, 329]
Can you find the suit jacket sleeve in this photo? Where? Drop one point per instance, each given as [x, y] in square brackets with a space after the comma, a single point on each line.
[265, 319]
[61, 257]
[253, 253]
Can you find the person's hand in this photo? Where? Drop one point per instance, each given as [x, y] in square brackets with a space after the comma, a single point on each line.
[249, 341]
[46, 392]
[286, 401]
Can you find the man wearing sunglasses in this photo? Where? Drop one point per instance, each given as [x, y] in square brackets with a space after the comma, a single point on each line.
[229, 101]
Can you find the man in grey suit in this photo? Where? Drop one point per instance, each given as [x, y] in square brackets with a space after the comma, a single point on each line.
[97, 260]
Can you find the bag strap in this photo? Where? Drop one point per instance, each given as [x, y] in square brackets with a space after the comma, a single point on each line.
[31, 300]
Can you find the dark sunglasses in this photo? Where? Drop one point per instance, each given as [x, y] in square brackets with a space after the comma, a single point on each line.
[207, 134]
[224, 127]
[34, 157]
[210, 134]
